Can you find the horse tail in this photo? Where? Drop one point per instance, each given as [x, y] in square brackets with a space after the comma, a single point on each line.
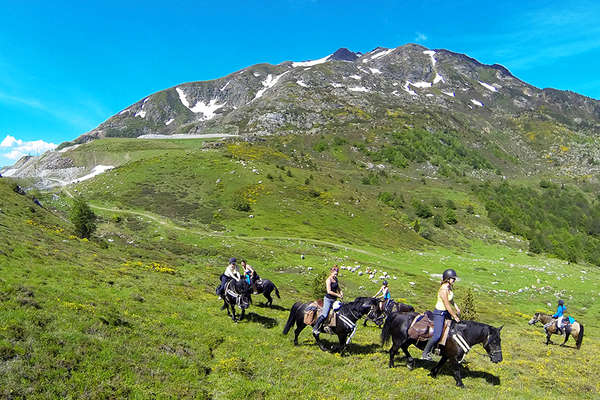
[276, 291]
[580, 336]
[292, 317]
[387, 330]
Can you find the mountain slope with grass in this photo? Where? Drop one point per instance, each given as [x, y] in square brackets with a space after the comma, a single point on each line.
[131, 312]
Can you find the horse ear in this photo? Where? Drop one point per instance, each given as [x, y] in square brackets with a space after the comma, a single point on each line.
[499, 329]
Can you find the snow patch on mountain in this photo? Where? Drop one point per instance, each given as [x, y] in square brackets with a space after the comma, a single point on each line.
[227, 84]
[477, 103]
[301, 83]
[359, 89]
[169, 121]
[182, 97]
[431, 54]
[97, 170]
[375, 70]
[337, 85]
[378, 55]
[125, 111]
[438, 78]
[357, 77]
[207, 109]
[421, 85]
[408, 90]
[268, 83]
[451, 94]
[310, 63]
[141, 113]
[488, 86]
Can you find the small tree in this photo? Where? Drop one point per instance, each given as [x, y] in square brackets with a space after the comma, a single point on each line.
[468, 310]
[450, 217]
[83, 218]
[438, 221]
[318, 284]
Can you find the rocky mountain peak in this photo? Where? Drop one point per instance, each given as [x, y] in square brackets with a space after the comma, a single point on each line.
[343, 54]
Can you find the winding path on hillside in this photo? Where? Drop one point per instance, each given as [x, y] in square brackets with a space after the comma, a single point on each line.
[169, 224]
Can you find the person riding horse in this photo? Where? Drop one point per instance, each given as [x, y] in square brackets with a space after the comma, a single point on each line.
[332, 294]
[559, 315]
[251, 276]
[383, 292]
[231, 272]
[443, 310]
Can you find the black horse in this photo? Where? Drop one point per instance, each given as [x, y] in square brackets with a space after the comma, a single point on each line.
[396, 326]
[345, 327]
[236, 293]
[378, 316]
[265, 287]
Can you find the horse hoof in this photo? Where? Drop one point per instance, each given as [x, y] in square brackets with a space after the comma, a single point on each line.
[460, 385]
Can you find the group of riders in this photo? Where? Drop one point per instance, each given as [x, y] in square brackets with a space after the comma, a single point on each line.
[232, 272]
[445, 307]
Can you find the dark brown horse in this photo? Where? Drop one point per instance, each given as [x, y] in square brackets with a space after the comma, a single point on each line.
[378, 316]
[463, 335]
[345, 327]
[575, 329]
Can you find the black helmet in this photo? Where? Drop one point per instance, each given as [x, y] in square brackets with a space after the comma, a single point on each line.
[385, 283]
[449, 273]
[561, 303]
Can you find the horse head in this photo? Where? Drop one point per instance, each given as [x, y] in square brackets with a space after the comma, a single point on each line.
[492, 344]
[244, 290]
[535, 318]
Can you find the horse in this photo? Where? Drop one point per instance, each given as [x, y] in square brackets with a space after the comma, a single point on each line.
[265, 287]
[396, 326]
[378, 316]
[575, 329]
[345, 327]
[236, 293]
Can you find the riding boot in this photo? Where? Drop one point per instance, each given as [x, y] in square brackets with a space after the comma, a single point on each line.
[427, 351]
[317, 327]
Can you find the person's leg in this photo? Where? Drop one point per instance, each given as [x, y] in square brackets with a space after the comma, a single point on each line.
[327, 303]
[438, 327]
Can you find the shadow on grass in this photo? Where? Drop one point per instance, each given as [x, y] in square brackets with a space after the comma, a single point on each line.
[448, 370]
[264, 321]
[334, 346]
[274, 306]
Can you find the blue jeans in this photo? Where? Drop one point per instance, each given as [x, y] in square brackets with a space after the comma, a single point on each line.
[438, 324]
[327, 303]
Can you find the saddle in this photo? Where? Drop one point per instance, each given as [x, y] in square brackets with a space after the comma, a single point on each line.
[312, 311]
[422, 328]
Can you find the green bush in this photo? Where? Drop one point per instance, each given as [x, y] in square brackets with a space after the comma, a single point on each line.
[438, 222]
[240, 202]
[318, 284]
[450, 204]
[83, 218]
[470, 209]
[468, 310]
[450, 217]
[422, 210]
[437, 203]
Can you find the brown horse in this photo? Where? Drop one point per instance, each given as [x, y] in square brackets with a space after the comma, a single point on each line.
[575, 329]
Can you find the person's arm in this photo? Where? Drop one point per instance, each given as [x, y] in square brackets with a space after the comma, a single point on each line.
[379, 291]
[449, 308]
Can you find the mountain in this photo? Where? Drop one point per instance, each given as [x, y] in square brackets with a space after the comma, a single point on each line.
[518, 127]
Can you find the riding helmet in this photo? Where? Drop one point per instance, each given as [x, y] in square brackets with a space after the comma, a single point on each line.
[232, 260]
[561, 303]
[385, 283]
[449, 273]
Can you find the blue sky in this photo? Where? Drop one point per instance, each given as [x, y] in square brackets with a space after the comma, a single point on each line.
[65, 67]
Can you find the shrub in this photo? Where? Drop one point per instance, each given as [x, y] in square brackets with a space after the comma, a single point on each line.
[422, 210]
[470, 209]
[83, 218]
[468, 310]
[426, 233]
[450, 217]
[318, 284]
[450, 204]
[438, 222]
[416, 226]
[437, 203]
[240, 202]
[289, 173]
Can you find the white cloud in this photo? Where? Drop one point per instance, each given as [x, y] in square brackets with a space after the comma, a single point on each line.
[17, 148]
[421, 37]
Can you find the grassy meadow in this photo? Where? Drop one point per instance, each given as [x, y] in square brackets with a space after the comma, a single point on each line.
[131, 313]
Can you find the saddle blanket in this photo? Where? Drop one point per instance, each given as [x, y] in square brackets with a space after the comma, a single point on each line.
[422, 328]
[311, 313]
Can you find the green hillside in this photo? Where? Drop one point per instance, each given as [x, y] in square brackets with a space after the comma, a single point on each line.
[132, 311]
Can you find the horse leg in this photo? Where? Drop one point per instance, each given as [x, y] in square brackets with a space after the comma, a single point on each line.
[438, 366]
[410, 362]
[342, 338]
[548, 341]
[269, 298]
[457, 377]
[567, 333]
[299, 327]
[243, 313]
[233, 316]
[365, 322]
[393, 351]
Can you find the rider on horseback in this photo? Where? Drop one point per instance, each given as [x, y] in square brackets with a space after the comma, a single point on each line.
[385, 294]
[333, 293]
[231, 272]
[251, 276]
[559, 315]
[443, 310]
